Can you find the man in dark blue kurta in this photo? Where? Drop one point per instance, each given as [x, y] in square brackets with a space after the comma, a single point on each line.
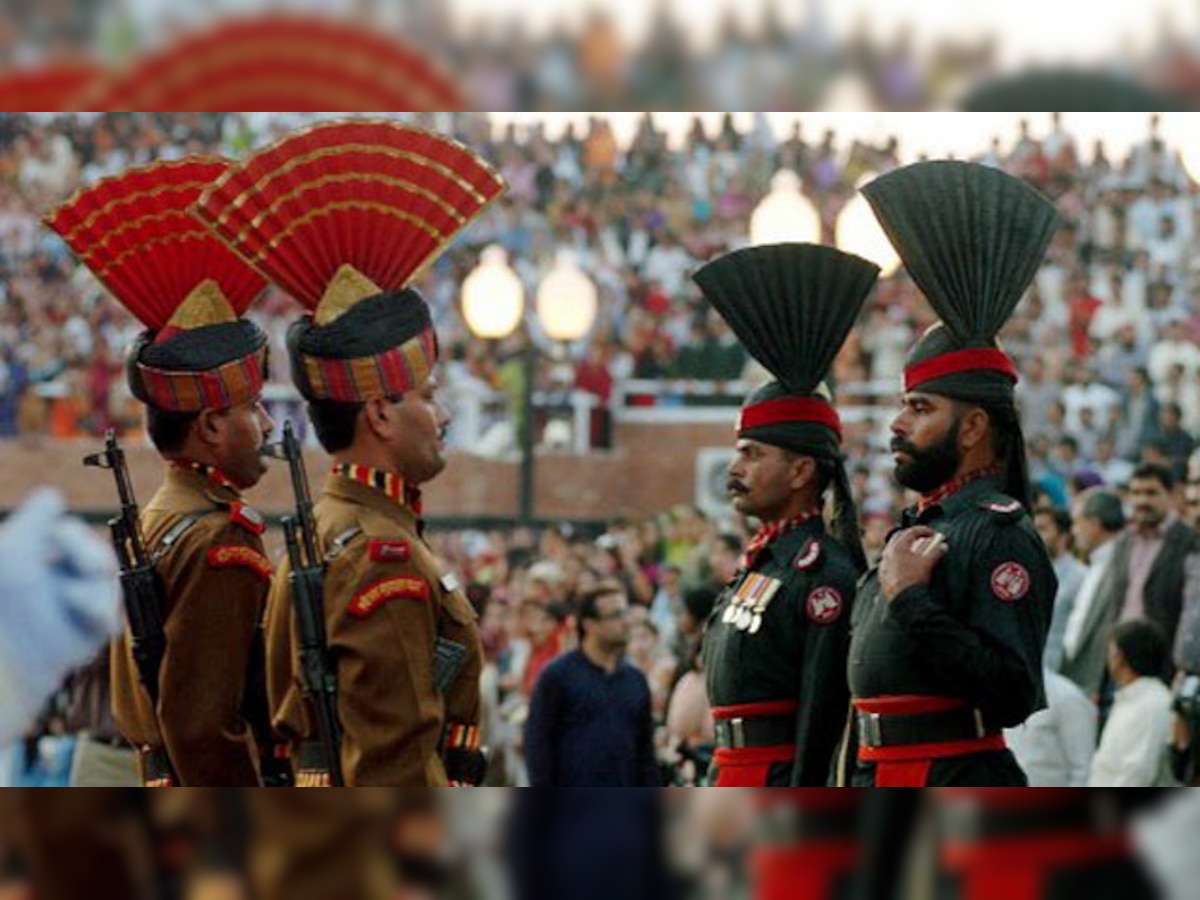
[590, 722]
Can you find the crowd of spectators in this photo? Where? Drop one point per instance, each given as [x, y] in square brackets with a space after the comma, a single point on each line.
[1106, 340]
[766, 54]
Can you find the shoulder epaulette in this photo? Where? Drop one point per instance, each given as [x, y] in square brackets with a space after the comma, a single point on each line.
[339, 544]
[1004, 511]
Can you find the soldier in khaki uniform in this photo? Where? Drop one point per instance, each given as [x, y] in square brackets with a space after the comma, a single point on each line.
[201, 723]
[400, 634]
[199, 368]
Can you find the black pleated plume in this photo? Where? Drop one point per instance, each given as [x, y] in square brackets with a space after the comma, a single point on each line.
[1069, 90]
[971, 237]
[791, 305]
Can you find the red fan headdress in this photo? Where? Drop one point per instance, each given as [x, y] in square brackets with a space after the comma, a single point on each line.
[344, 217]
[279, 61]
[54, 87]
[134, 231]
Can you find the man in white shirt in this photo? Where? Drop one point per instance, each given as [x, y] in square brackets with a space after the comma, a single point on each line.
[1055, 746]
[1173, 348]
[1133, 748]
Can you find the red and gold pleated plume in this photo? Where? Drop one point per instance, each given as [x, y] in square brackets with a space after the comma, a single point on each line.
[135, 232]
[53, 87]
[345, 217]
[295, 62]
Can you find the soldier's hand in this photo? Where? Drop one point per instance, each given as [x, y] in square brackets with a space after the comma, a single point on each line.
[909, 560]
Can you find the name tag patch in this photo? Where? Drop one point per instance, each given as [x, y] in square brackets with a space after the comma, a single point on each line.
[389, 551]
[371, 598]
[244, 557]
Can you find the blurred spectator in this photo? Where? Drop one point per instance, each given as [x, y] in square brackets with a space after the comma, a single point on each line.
[648, 656]
[1147, 564]
[1133, 747]
[546, 625]
[590, 721]
[1054, 525]
[1177, 444]
[1097, 523]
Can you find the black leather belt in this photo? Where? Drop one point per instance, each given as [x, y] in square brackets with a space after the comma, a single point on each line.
[975, 821]
[878, 730]
[761, 731]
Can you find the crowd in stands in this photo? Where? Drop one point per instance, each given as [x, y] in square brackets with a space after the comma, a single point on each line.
[1107, 342]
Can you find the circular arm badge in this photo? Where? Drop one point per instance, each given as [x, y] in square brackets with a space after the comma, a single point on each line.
[1011, 582]
[824, 605]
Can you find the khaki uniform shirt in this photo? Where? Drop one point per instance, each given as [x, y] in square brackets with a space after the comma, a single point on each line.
[216, 580]
[387, 602]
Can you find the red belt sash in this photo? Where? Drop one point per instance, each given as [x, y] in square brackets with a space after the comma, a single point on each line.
[751, 766]
[909, 765]
[810, 871]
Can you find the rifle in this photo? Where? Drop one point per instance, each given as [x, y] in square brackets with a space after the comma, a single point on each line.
[141, 587]
[306, 580]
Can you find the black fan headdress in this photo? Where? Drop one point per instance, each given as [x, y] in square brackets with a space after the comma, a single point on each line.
[792, 306]
[972, 238]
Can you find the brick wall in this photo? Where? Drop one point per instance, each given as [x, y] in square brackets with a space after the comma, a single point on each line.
[653, 468]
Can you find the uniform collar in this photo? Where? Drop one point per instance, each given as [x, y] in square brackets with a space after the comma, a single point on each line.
[212, 482]
[955, 496]
[364, 493]
[390, 484]
[772, 533]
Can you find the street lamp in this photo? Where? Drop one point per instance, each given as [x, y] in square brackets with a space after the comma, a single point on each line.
[493, 300]
[858, 231]
[785, 215]
[567, 301]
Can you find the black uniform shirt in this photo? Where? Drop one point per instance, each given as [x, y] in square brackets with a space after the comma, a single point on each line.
[977, 631]
[798, 653]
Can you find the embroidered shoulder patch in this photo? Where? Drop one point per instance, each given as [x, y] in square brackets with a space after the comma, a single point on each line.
[248, 517]
[389, 551]
[824, 605]
[245, 557]
[809, 556]
[371, 598]
[1011, 582]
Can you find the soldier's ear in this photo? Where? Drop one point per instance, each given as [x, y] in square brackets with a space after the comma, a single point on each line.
[804, 472]
[209, 427]
[379, 415]
[975, 427]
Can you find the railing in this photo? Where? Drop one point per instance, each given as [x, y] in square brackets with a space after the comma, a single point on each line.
[674, 401]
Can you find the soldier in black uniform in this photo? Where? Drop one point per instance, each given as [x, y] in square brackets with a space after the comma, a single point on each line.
[776, 644]
[948, 631]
